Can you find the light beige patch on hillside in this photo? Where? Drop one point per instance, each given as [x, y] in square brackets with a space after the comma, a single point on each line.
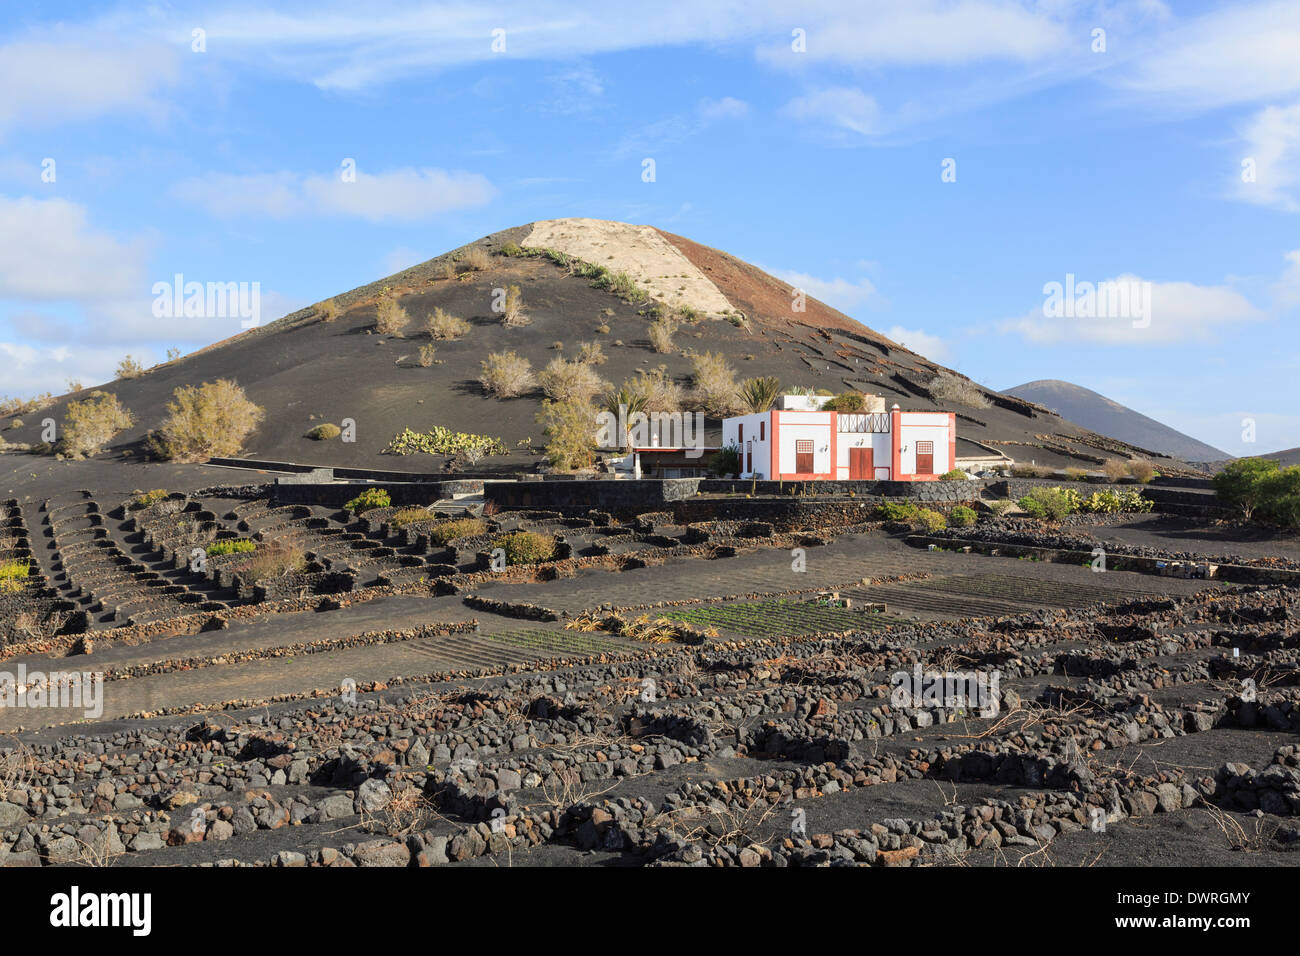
[651, 260]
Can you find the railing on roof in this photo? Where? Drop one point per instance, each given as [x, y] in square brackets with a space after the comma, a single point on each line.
[873, 422]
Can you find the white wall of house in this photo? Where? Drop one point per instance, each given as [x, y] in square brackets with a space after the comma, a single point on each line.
[925, 426]
[795, 427]
[744, 431]
[881, 452]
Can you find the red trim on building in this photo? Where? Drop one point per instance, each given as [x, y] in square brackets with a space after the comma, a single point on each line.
[835, 446]
[774, 446]
[896, 444]
[952, 441]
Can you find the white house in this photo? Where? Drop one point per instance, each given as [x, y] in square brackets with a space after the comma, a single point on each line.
[799, 443]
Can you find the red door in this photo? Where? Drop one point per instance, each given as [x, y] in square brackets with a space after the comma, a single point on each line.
[925, 458]
[749, 456]
[803, 458]
[860, 464]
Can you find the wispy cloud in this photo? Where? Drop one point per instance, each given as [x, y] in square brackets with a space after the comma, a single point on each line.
[405, 194]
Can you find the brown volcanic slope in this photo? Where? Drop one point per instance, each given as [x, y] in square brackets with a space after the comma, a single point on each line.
[304, 371]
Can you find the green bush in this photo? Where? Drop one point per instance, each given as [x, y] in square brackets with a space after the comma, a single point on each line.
[1050, 504]
[1002, 506]
[13, 573]
[324, 432]
[725, 461]
[930, 520]
[443, 441]
[369, 499]
[1101, 502]
[955, 475]
[231, 546]
[848, 402]
[526, 547]
[148, 498]
[446, 531]
[962, 516]
[897, 511]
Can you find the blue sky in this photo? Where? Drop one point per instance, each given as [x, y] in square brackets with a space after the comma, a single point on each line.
[822, 164]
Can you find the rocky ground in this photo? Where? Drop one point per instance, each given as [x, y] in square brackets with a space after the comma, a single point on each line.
[402, 706]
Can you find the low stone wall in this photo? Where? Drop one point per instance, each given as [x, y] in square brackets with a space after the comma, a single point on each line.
[336, 494]
[918, 490]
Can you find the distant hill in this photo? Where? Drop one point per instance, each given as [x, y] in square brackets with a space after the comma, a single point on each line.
[1289, 456]
[1098, 413]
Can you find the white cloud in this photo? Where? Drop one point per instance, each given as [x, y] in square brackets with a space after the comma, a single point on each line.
[843, 294]
[1240, 54]
[1287, 288]
[1179, 312]
[402, 258]
[405, 194]
[845, 108]
[681, 126]
[49, 252]
[1271, 140]
[47, 82]
[923, 343]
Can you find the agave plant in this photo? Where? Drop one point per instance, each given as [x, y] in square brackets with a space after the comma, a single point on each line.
[760, 394]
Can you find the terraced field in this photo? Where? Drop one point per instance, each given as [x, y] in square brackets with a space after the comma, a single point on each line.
[397, 702]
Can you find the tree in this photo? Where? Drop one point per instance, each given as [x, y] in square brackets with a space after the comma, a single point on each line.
[1242, 484]
[570, 432]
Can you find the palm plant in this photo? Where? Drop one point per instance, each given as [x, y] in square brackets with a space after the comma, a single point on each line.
[760, 394]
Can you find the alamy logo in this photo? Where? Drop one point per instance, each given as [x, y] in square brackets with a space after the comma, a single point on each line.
[1112, 299]
[970, 690]
[74, 909]
[212, 300]
[34, 690]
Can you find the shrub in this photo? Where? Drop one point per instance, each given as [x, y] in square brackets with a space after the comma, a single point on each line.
[390, 318]
[91, 424]
[897, 511]
[440, 325]
[328, 310]
[1050, 504]
[476, 259]
[526, 547]
[231, 546]
[852, 403]
[324, 432]
[962, 516]
[725, 461]
[25, 406]
[716, 391]
[1142, 470]
[566, 381]
[447, 531]
[930, 520]
[1115, 468]
[1002, 506]
[511, 249]
[513, 313]
[602, 329]
[760, 394]
[443, 441]
[274, 561]
[147, 498]
[571, 433]
[1027, 470]
[661, 334]
[956, 474]
[1076, 474]
[661, 393]
[591, 353]
[1101, 502]
[506, 375]
[129, 368]
[206, 421]
[408, 516]
[13, 574]
[1280, 502]
[946, 387]
[368, 500]
[427, 352]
